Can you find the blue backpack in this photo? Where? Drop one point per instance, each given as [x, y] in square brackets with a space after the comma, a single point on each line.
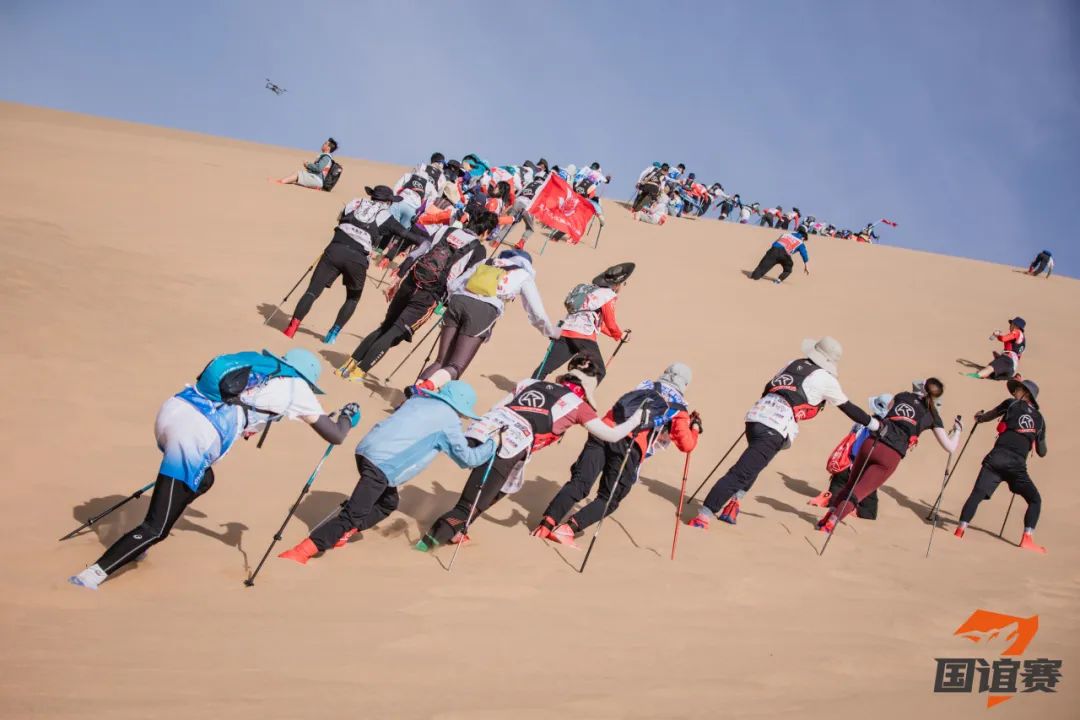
[227, 376]
[659, 410]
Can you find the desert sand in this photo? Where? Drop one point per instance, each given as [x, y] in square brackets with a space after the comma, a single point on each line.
[133, 254]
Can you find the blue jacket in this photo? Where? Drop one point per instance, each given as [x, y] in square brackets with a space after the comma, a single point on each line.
[405, 443]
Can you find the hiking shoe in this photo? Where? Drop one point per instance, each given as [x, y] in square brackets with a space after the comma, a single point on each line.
[344, 539]
[730, 513]
[290, 331]
[331, 335]
[543, 530]
[89, 578]
[384, 263]
[460, 539]
[973, 375]
[426, 544]
[827, 524]
[520, 244]
[563, 534]
[303, 552]
[426, 385]
[821, 500]
[700, 522]
[959, 532]
[1027, 542]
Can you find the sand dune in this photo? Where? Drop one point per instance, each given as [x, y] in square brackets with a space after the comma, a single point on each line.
[133, 254]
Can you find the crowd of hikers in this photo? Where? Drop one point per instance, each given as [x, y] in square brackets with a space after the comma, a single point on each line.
[440, 235]
[662, 192]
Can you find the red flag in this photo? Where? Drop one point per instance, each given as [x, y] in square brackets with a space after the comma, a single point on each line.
[890, 223]
[559, 207]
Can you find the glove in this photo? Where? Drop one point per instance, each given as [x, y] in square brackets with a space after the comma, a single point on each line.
[882, 431]
[979, 416]
[459, 206]
[352, 412]
[695, 423]
[958, 424]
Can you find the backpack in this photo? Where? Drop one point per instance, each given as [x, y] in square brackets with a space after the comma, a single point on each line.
[431, 268]
[576, 298]
[332, 175]
[227, 376]
[657, 410]
[485, 280]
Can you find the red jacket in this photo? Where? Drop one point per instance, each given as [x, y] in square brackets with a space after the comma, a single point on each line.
[684, 437]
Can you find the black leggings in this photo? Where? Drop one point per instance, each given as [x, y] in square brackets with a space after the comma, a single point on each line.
[168, 502]
[372, 500]
[337, 259]
[762, 445]
[774, 256]
[999, 466]
[597, 458]
[565, 348]
[408, 311]
[490, 492]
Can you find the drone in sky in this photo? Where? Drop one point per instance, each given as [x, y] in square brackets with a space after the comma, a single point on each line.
[276, 89]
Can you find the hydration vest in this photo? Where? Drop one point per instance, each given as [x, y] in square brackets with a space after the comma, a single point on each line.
[788, 385]
[1023, 419]
[909, 416]
[534, 404]
[790, 243]
[1018, 346]
[359, 224]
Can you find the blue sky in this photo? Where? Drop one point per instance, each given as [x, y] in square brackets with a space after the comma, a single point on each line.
[959, 120]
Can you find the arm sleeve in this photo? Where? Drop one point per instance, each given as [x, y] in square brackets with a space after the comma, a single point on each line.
[996, 412]
[947, 441]
[608, 324]
[684, 437]
[534, 308]
[413, 235]
[1040, 442]
[805, 255]
[457, 447]
[332, 431]
[436, 216]
[602, 431]
[855, 413]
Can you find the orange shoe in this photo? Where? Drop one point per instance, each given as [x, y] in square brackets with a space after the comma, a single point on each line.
[293, 326]
[426, 385]
[827, 524]
[1028, 543]
[301, 553]
[543, 530]
[959, 532]
[460, 539]
[520, 244]
[384, 263]
[821, 500]
[344, 539]
[564, 535]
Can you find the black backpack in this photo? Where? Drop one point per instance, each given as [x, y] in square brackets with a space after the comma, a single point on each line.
[332, 176]
[430, 269]
[657, 410]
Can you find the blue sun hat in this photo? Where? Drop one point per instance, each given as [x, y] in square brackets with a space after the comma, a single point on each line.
[458, 394]
[305, 363]
[879, 404]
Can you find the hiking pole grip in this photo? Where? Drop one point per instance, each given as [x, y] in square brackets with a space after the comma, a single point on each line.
[250, 582]
[89, 523]
[851, 492]
[622, 341]
[716, 467]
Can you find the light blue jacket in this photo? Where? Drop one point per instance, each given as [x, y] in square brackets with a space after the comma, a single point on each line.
[405, 443]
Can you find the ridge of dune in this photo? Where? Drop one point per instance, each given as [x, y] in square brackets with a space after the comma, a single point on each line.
[133, 254]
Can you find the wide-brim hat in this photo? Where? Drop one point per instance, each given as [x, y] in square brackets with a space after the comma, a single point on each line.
[1029, 385]
[825, 353]
[381, 193]
[304, 362]
[458, 394]
[1018, 322]
[615, 275]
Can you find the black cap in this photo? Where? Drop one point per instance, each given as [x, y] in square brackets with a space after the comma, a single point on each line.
[381, 193]
[1018, 322]
[438, 158]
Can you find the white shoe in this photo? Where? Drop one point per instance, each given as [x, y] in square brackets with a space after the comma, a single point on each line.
[90, 578]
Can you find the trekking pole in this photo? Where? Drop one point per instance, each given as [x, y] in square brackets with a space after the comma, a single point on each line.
[1001, 532]
[678, 513]
[622, 341]
[544, 246]
[543, 364]
[949, 474]
[288, 294]
[277, 536]
[431, 351]
[414, 349]
[934, 510]
[614, 489]
[476, 501]
[851, 492]
[89, 523]
[596, 243]
[716, 467]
